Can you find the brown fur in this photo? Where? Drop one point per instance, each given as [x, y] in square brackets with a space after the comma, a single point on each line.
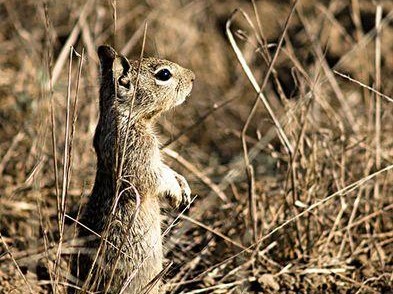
[145, 178]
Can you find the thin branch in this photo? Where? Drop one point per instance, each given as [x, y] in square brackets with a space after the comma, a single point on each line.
[363, 85]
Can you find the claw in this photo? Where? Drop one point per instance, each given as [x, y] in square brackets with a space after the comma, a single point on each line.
[186, 191]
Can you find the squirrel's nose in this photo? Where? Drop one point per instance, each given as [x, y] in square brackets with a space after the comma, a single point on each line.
[192, 76]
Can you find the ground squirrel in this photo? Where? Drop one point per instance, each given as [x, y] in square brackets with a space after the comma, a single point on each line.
[134, 215]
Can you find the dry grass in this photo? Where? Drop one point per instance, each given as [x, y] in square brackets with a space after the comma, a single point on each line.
[286, 140]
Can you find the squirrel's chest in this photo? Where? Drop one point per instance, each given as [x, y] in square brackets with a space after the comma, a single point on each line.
[144, 154]
[143, 163]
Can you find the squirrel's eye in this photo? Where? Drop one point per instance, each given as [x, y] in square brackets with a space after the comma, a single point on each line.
[124, 81]
[163, 75]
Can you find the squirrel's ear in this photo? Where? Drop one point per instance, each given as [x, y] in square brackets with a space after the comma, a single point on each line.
[107, 55]
[125, 64]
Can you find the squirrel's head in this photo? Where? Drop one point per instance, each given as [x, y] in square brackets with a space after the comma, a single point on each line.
[150, 87]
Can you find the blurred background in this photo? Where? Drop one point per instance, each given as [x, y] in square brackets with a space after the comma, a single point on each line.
[295, 200]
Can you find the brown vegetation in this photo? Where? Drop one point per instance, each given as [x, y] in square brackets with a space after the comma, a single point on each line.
[294, 186]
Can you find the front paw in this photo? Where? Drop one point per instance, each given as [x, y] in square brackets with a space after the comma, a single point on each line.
[186, 191]
[179, 193]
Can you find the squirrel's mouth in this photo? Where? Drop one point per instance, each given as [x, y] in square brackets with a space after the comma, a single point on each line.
[189, 91]
[180, 101]
[182, 98]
